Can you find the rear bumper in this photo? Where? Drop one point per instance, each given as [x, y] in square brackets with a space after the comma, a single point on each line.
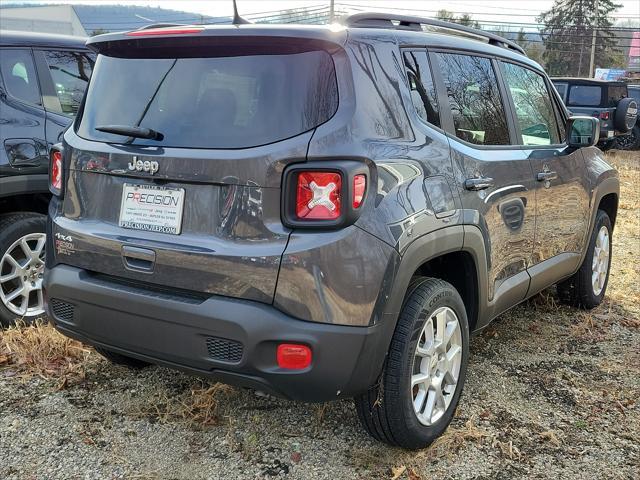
[227, 340]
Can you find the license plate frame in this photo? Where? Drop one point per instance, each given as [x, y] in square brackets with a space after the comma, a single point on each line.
[152, 208]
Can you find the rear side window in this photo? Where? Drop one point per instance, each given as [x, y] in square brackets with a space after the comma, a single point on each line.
[584, 95]
[19, 75]
[70, 72]
[423, 91]
[217, 102]
[472, 87]
[635, 92]
[616, 93]
[534, 108]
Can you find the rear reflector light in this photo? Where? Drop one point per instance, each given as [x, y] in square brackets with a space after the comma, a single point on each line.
[604, 115]
[318, 195]
[293, 356]
[164, 31]
[359, 187]
[55, 172]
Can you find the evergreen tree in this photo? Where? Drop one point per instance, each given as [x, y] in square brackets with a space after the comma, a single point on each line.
[445, 15]
[533, 48]
[567, 32]
[464, 19]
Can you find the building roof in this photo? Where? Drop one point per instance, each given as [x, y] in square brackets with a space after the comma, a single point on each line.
[32, 39]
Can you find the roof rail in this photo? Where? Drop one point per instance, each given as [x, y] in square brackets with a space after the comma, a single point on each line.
[407, 22]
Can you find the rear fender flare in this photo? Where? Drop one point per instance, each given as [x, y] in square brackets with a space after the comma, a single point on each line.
[421, 250]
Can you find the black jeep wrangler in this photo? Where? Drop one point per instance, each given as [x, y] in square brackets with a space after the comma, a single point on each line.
[321, 212]
[42, 82]
[608, 101]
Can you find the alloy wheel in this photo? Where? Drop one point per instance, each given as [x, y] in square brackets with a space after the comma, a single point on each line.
[600, 262]
[21, 272]
[436, 365]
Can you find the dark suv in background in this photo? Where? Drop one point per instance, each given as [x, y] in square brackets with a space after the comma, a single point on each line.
[321, 212]
[42, 82]
[606, 100]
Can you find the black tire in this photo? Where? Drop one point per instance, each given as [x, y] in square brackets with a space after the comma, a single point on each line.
[123, 360]
[386, 411]
[626, 114]
[13, 227]
[578, 290]
[631, 141]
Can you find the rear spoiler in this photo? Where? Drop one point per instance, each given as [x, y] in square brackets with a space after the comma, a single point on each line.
[171, 37]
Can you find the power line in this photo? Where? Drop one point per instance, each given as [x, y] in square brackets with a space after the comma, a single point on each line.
[361, 8]
[317, 13]
[534, 11]
[497, 23]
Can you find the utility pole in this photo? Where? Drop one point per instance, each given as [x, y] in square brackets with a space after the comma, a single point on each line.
[331, 10]
[593, 42]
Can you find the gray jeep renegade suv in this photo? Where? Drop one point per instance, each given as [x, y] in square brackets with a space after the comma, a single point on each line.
[321, 212]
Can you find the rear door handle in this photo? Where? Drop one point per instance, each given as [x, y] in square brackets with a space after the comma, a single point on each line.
[475, 184]
[546, 176]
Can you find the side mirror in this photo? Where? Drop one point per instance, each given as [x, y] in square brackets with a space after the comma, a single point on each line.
[583, 131]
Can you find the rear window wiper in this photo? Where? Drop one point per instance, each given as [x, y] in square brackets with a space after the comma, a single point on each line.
[131, 131]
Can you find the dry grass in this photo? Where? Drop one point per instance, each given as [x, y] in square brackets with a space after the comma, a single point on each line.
[625, 276]
[39, 350]
[197, 408]
[454, 439]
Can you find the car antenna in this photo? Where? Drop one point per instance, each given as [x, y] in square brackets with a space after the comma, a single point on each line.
[237, 19]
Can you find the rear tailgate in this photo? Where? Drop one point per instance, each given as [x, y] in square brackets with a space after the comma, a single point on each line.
[196, 208]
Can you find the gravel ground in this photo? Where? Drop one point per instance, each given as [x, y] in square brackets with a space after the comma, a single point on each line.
[551, 392]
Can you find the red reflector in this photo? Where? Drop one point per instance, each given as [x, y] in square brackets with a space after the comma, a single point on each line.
[56, 170]
[359, 187]
[318, 195]
[293, 356]
[604, 115]
[164, 31]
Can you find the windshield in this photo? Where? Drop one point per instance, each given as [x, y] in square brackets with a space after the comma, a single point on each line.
[220, 102]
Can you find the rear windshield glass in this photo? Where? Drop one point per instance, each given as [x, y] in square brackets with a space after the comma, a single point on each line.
[585, 95]
[221, 102]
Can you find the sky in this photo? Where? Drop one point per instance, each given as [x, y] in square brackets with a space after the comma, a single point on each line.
[510, 11]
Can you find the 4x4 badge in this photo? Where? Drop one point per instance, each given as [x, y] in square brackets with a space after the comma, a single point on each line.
[140, 166]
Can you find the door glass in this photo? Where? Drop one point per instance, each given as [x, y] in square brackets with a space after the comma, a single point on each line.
[534, 108]
[423, 91]
[478, 113]
[70, 72]
[19, 74]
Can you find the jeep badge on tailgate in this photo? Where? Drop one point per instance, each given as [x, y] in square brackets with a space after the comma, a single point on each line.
[146, 166]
